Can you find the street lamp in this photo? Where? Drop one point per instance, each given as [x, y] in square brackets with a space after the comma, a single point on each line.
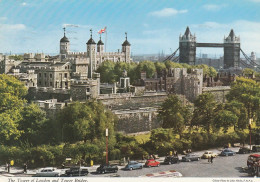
[249, 127]
[106, 145]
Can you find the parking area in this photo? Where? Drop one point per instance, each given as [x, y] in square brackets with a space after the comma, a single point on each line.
[222, 166]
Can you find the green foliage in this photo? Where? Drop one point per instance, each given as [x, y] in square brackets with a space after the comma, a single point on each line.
[31, 124]
[16, 57]
[204, 112]
[246, 91]
[86, 121]
[225, 119]
[210, 71]
[146, 66]
[174, 115]
[107, 72]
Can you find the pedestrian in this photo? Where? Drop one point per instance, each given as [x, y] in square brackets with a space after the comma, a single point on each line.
[62, 166]
[212, 158]
[8, 168]
[25, 168]
[176, 154]
[209, 158]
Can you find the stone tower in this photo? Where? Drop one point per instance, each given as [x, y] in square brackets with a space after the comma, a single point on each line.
[91, 55]
[126, 49]
[100, 45]
[231, 50]
[187, 45]
[64, 45]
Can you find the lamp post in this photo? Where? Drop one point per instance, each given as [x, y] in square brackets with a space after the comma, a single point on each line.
[249, 126]
[107, 146]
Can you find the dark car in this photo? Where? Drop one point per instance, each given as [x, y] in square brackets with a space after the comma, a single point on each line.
[77, 171]
[256, 148]
[190, 157]
[227, 152]
[106, 168]
[171, 159]
[244, 150]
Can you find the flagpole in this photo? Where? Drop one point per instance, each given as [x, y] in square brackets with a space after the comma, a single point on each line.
[106, 41]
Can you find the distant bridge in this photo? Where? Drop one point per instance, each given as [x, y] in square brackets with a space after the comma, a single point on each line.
[187, 51]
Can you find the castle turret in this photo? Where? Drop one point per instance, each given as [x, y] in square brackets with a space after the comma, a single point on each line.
[100, 45]
[64, 46]
[91, 55]
[187, 45]
[231, 50]
[126, 49]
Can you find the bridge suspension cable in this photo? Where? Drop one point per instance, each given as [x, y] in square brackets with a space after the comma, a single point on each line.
[251, 64]
[171, 56]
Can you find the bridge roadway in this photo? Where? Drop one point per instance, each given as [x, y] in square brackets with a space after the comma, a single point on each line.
[209, 45]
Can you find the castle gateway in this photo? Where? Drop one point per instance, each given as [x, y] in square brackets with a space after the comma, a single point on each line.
[231, 45]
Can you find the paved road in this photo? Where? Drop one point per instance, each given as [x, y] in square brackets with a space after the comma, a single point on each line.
[230, 166]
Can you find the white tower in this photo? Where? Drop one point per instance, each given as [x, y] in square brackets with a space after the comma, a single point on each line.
[91, 55]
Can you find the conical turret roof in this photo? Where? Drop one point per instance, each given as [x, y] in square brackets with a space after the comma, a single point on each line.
[187, 32]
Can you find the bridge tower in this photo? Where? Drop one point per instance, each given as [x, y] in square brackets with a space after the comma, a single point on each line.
[187, 45]
[231, 50]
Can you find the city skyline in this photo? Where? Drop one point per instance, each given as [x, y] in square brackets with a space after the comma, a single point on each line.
[152, 26]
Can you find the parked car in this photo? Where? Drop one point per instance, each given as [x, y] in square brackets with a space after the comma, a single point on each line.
[106, 168]
[227, 152]
[190, 157]
[252, 160]
[152, 163]
[256, 148]
[133, 165]
[48, 172]
[77, 171]
[208, 154]
[244, 150]
[171, 159]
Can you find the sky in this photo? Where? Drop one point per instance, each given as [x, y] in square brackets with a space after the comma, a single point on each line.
[152, 26]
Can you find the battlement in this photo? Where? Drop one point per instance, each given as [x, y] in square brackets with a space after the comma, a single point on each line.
[110, 53]
[77, 53]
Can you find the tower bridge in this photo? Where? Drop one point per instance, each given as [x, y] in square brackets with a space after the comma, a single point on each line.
[231, 45]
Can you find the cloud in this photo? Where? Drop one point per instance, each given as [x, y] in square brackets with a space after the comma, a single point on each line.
[166, 12]
[3, 18]
[24, 4]
[214, 7]
[11, 27]
[69, 25]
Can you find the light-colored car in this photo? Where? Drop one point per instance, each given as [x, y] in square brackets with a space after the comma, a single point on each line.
[208, 154]
[48, 172]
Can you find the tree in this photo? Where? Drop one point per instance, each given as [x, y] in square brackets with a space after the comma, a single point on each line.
[210, 71]
[86, 121]
[204, 112]
[239, 110]
[31, 124]
[246, 91]
[225, 119]
[159, 67]
[146, 66]
[12, 92]
[106, 70]
[170, 64]
[173, 114]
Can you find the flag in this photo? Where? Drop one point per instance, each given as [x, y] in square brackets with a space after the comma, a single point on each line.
[102, 30]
